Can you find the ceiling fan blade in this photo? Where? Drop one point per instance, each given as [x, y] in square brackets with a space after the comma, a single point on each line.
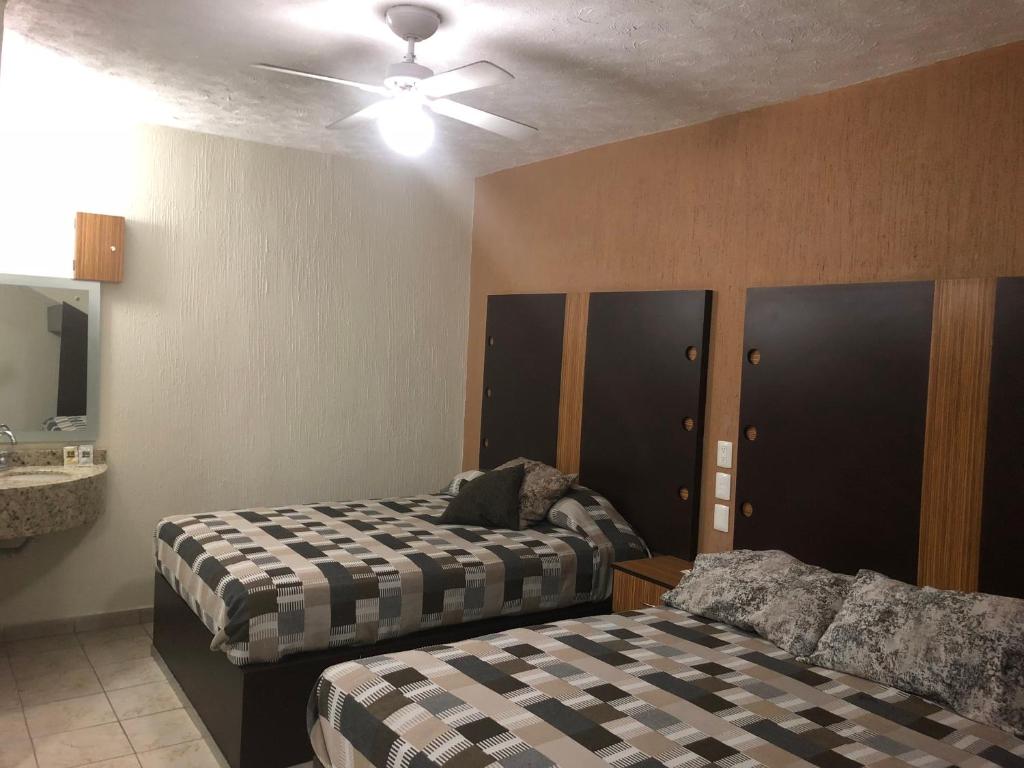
[495, 124]
[365, 114]
[379, 89]
[470, 77]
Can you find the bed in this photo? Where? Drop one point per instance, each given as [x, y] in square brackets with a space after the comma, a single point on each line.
[646, 688]
[280, 594]
[272, 582]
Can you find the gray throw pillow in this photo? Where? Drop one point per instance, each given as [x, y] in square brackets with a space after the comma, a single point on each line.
[490, 500]
[962, 650]
[771, 593]
[542, 487]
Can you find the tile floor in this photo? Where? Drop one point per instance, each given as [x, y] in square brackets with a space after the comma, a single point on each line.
[98, 699]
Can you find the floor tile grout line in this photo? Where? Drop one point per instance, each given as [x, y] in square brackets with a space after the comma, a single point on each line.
[68, 730]
[24, 717]
[106, 696]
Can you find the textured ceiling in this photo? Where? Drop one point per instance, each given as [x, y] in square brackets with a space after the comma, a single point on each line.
[588, 73]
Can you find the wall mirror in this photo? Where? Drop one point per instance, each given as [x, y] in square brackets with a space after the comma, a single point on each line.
[49, 358]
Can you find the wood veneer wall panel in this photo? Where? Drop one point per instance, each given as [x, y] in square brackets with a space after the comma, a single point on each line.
[570, 407]
[961, 357]
[919, 176]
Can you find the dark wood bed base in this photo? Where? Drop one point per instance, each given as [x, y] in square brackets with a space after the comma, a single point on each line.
[257, 713]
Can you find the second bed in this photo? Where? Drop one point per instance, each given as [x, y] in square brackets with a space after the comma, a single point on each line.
[657, 687]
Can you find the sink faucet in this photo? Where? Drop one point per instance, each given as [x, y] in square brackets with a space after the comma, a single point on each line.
[5, 431]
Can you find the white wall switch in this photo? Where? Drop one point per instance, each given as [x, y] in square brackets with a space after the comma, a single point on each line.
[721, 518]
[723, 486]
[725, 454]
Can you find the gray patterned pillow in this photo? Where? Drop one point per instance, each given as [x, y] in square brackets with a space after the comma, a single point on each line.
[542, 487]
[771, 593]
[962, 650]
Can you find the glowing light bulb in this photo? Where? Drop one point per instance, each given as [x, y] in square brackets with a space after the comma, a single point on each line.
[405, 126]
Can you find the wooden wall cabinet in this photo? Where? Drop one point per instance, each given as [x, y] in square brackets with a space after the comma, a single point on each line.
[99, 247]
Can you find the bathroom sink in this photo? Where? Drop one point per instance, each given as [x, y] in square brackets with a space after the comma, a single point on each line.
[37, 500]
[27, 477]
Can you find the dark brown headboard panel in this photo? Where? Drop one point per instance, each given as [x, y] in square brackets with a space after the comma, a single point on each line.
[522, 378]
[1002, 521]
[643, 410]
[835, 383]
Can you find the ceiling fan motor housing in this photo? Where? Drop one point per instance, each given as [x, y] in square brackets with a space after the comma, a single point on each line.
[412, 22]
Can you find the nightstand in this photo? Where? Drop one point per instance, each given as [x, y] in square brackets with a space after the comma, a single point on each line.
[641, 583]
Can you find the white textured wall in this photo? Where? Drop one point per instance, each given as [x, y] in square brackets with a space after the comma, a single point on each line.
[291, 328]
[29, 359]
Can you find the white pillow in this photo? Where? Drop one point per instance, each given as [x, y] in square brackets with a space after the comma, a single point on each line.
[452, 489]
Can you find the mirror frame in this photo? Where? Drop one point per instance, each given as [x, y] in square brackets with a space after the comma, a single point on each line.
[92, 395]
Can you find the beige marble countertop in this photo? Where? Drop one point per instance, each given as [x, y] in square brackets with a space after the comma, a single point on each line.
[43, 456]
[38, 495]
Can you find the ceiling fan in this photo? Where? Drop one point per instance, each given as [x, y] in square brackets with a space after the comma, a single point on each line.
[411, 90]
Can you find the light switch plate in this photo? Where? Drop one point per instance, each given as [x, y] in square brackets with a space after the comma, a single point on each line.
[723, 486]
[721, 518]
[725, 454]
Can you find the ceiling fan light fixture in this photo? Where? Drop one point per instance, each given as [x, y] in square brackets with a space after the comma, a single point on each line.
[405, 126]
[413, 92]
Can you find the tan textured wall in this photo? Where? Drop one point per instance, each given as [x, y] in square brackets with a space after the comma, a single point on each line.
[916, 176]
[291, 328]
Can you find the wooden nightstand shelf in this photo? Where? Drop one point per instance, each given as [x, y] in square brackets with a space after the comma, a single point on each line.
[641, 583]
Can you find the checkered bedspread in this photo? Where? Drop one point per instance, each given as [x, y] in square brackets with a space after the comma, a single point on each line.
[270, 582]
[650, 688]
